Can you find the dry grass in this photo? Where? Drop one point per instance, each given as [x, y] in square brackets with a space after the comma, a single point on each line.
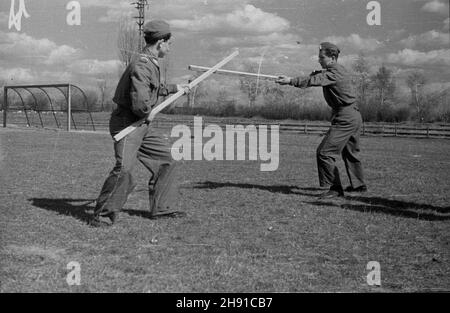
[246, 231]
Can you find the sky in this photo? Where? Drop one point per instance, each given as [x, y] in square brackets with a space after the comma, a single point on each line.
[280, 36]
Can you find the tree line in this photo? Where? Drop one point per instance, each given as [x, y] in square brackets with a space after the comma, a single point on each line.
[377, 95]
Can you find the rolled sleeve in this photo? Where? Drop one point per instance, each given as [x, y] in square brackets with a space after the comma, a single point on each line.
[300, 82]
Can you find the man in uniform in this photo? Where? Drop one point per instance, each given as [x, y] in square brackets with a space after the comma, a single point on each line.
[136, 94]
[343, 135]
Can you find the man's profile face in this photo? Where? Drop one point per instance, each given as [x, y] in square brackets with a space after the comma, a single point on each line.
[324, 60]
[164, 48]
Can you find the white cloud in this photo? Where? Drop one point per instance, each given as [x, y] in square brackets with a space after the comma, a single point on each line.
[62, 54]
[19, 48]
[14, 42]
[355, 41]
[93, 67]
[99, 3]
[108, 4]
[115, 10]
[178, 8]
[435, 6]
[26, 59]
[22, 75]
[16, 75]
[348, 60]
[430, 39]
[166, 9]
[55, 77]
[247, 19]
[279, 39]
[417, 58]
[288, 59]
[115, 14]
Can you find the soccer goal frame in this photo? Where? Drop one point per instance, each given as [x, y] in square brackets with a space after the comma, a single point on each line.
[65, 89]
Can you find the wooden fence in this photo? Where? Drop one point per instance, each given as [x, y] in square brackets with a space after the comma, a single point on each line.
[83, 122]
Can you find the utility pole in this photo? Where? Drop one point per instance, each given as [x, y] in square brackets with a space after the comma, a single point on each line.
[140, 20]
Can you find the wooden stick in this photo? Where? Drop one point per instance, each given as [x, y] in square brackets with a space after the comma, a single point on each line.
[228, 72]
[124, 132]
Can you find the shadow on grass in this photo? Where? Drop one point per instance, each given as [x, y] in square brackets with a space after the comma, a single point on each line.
[66, 207]
[140, 213]
[393, 207]
[284, 189]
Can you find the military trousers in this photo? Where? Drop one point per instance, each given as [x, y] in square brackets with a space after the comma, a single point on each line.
[149, 146]
[343, 138]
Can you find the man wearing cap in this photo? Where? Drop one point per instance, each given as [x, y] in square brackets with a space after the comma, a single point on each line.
[136, 94]
[343, 135]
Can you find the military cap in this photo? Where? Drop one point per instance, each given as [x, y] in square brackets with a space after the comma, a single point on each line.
[156, 29]
[330, 47]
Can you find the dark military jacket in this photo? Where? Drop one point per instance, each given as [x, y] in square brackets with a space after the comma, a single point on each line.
[336, 82]
[139, 87]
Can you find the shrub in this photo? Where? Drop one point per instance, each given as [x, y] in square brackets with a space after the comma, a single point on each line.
[444, 117]
[402, 114]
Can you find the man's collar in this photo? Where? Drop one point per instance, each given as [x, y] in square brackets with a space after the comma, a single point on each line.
[149, 54]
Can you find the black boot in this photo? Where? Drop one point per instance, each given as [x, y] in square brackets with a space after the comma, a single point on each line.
[97, 222]
[334, 192]
[362, 188]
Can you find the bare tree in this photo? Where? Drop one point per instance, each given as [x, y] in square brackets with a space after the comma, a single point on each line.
[384, 81]
[248, 84]
[127, 41]
[361, 67]
[416, 81]
[101, 84]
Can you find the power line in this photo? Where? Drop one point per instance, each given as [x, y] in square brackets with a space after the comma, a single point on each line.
[140, 5]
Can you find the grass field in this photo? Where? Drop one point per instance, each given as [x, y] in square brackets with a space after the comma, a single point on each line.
[246, 230]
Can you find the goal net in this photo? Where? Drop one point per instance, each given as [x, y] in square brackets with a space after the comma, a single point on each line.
[62, 106]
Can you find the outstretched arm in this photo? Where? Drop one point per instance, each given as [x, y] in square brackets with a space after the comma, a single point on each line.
[315, 79]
